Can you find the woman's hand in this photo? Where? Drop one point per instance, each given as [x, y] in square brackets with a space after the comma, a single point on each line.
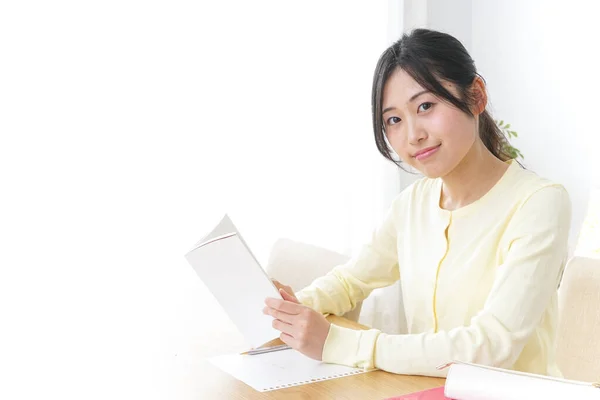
[301, 327]
[280, 286]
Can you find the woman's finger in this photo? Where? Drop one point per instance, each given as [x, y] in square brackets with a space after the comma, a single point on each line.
[287, 296]
[289, 340]
[280, 315]
[288, 289]
[288, 307]
[280, 285]
[283, 327]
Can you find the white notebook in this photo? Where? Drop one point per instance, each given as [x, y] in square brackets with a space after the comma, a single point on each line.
[233, 275]
[477, 382]
[280, 369]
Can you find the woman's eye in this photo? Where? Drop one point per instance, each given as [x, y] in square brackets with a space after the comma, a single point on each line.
[393, 120]
[425, 106]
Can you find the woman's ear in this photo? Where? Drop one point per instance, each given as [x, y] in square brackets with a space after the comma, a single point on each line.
[479, 95]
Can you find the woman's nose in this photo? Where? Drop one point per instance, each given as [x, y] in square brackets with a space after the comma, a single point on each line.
[416, 134]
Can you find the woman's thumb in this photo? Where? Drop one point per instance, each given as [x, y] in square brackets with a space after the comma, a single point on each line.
[288, 297]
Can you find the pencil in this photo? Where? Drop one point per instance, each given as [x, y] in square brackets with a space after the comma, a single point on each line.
[266, 350]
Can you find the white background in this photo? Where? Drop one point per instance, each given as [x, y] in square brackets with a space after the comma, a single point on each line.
[540, 62]
[128, 128]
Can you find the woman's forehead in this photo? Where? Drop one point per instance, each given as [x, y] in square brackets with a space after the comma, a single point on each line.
[399, 88]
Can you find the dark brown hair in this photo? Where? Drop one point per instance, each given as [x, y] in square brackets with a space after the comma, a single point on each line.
[429, 56]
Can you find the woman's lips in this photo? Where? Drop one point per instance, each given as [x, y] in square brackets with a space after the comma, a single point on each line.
[426, 153]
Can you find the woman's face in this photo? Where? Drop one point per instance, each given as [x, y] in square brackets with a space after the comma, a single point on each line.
[427, 133]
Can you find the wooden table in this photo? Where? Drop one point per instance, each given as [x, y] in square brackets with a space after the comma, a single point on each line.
[216, 384]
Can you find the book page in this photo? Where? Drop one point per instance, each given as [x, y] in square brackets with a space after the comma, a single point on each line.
[280, 369]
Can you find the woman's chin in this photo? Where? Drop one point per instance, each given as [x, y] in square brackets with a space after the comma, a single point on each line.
[431, 171]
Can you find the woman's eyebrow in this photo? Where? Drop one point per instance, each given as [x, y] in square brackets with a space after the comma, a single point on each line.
[413, 98]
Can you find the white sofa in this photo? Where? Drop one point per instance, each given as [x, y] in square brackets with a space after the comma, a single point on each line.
[297, 264]
[578, 340]
[578, 354]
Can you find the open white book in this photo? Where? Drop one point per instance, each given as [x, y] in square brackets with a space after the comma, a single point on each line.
[227, 267]
[230, 271]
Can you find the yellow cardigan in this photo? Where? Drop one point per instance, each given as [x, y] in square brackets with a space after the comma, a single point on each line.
[479, 283]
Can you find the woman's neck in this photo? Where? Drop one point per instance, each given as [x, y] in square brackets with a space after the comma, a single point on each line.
[472, 178]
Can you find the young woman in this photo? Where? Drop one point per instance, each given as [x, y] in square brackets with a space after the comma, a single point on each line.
[479, 244]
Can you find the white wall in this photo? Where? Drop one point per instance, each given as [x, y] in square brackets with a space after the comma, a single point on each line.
[453, 17]
[538, 60]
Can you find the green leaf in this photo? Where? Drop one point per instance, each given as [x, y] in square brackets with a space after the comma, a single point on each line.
[519, 153]
[508, 149]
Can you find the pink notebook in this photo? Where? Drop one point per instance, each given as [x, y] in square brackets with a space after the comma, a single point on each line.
[431, 394]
